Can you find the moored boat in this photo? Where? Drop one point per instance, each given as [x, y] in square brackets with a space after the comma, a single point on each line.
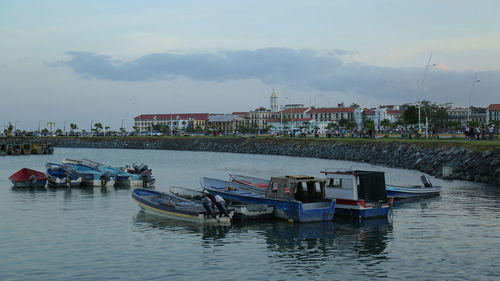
[61, 176]
[90, 176]
[415, 191]
[28, 178]
[170, 206]
[26, 148]
[3, 149]
[294, 198]
[359, 194]
[241, 211]
[121, 177]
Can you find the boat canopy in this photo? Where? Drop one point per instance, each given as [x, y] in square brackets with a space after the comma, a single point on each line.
[356, 185]
[301, 188]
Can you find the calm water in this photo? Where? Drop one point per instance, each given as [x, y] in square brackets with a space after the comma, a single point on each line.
[91, 234]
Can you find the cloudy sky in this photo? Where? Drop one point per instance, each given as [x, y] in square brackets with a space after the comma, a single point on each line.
[109, 61]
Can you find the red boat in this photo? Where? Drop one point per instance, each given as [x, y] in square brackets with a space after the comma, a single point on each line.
[28, 178]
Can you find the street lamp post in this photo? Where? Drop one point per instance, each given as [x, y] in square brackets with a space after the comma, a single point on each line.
[64, 127]
[122, 129]
[15, 127]
[422, 87]
[474, 82]
[39, 125]
[91, 134]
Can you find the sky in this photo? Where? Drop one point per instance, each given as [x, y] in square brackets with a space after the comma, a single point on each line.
[109, 61]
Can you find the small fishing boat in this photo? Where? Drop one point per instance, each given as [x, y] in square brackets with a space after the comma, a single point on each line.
[89, 175]
[241, 211]
[61, 176]
[363, 198]
[120, 176]
[294, 198]
[26, 148]
[28, 178]
[415, 191]
[171, 206]
[359, 194]
[3, 149]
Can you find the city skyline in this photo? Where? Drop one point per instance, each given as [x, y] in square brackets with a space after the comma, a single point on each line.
[82, 61]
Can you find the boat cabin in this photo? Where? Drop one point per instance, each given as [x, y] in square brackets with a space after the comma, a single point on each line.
[356, 185]
[305, 189]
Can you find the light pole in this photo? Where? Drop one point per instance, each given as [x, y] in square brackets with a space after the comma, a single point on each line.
[64, 129]
[474, 82]
[15, 127]
[91, 134]
[39, 125]
[422, 88]
[122, 128]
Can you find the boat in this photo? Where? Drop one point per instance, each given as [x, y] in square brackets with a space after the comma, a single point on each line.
[26, 149]
[360, 194]
[415, 191]
[61, 176]
[13, 149]
[28, 178]
[120, 176]
[294, 198]
[171, 206]
[89, 175]
[3, 149]
[241, 211]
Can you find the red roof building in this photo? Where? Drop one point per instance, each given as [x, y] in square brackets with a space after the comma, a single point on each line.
[493, 113]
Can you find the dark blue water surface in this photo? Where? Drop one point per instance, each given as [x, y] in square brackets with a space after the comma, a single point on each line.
[95, 234]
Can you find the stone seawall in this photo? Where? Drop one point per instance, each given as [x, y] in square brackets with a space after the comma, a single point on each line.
[458, 161]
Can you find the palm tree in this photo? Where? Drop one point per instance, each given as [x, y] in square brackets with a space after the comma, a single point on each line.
[73, 127]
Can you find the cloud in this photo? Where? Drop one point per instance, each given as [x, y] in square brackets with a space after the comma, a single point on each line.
[305, 69]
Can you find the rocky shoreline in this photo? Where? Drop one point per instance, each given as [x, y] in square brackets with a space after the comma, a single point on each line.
[445, 160]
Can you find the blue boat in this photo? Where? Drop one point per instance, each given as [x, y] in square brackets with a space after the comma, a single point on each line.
[89, 175]
[119, 176]
[61, 176]
[415, 191]
[294, 198]
[174, 207]
[359, 194]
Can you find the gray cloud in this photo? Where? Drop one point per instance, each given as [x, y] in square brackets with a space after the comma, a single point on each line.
[306, 69]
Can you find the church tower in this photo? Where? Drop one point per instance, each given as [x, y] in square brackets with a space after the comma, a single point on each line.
[274, 101]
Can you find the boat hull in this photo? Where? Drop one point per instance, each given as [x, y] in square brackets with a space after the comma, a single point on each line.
[289, 210]
[24, 184]
[361, 212]
[173, 213]
[408, 192]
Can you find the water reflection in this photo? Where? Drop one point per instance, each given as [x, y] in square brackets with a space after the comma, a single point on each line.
[145, 222]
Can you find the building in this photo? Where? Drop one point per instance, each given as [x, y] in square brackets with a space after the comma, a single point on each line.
[477, 114]
[292, 117]
[322, 117]
[174, 121]
[492, 113]
[258, 118]
[227, 123]
[458, 114]
[274, 102]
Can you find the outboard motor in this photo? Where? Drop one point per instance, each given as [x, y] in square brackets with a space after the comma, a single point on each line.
[145, 180]
[221, 205]
[105, 177]
[32, 180]
[426, 181]
[208, 204]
